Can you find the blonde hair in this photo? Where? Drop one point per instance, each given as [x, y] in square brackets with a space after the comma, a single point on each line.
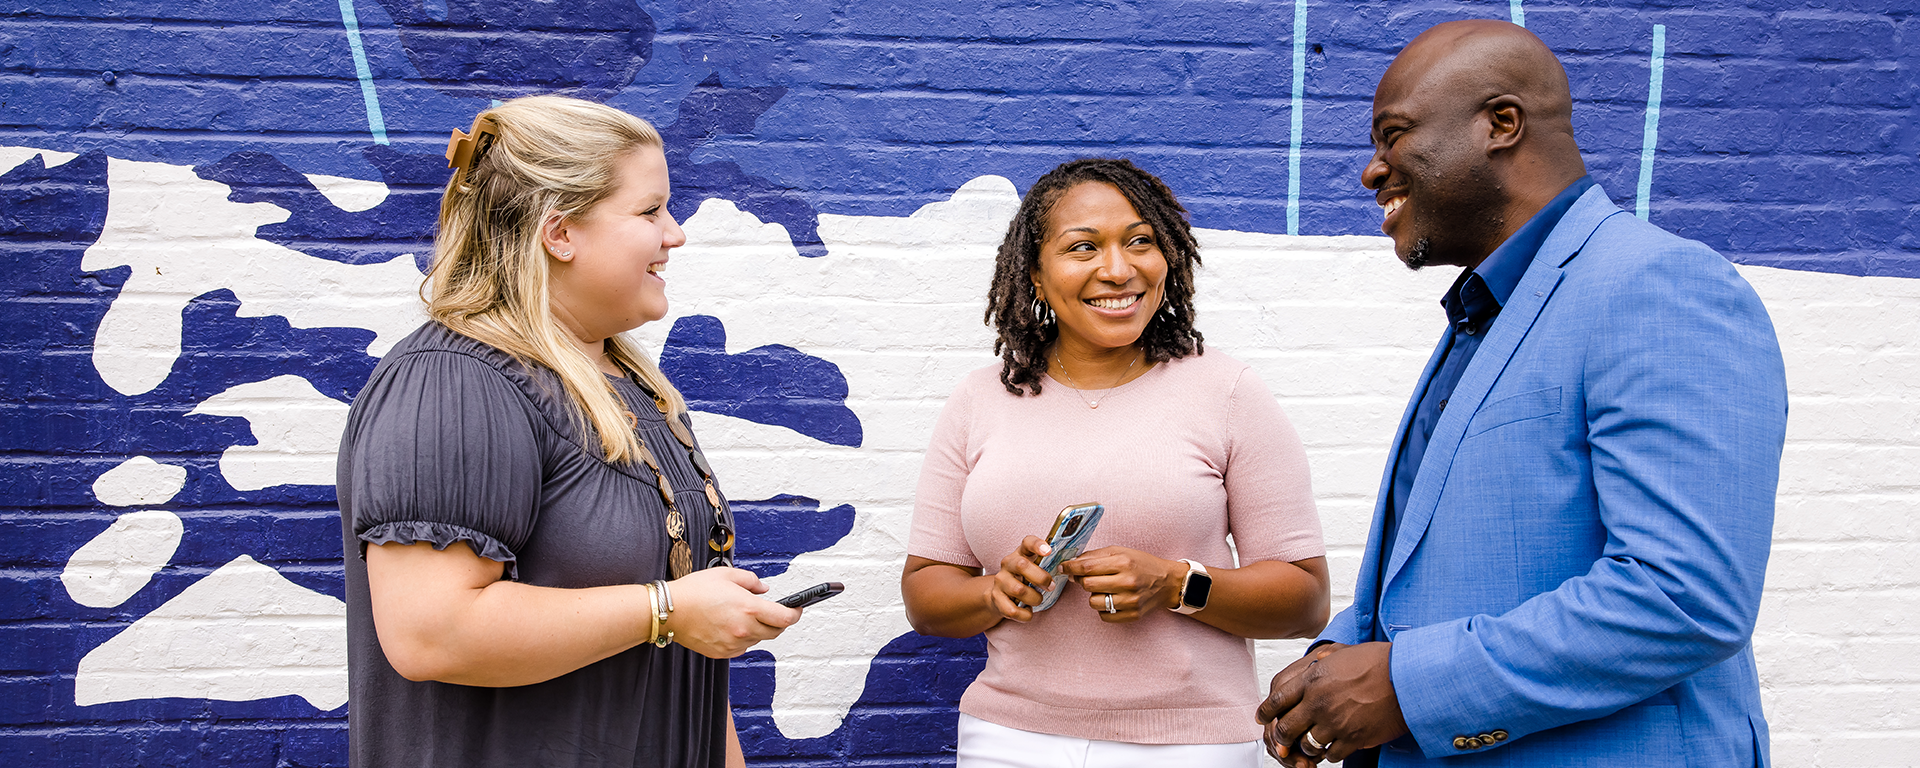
[551, 156]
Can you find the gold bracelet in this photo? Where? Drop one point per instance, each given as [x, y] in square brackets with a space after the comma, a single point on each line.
[662, 610]
[653, 612]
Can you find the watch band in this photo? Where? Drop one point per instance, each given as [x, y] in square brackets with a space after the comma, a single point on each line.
[1194, 589]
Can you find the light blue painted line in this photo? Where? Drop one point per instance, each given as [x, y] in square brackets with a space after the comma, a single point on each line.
[1651, 136]
[375, 123]
[1299, 88]
[1518, 14]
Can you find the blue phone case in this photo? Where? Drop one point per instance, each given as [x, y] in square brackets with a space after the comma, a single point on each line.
[1069, 536]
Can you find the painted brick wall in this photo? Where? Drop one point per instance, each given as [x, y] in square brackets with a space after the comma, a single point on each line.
[212, 215]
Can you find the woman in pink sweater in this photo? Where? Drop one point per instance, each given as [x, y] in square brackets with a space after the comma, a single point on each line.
[1105, 394]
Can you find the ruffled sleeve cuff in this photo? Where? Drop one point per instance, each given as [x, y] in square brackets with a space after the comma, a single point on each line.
[441, 536]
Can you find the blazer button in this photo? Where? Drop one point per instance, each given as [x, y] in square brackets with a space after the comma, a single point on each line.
[1462, 742]
[1499, 735]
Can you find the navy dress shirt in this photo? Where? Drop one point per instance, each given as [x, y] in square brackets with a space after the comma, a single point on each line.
[1472, 304]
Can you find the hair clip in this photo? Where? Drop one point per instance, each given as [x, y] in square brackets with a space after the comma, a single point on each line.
[464, 150]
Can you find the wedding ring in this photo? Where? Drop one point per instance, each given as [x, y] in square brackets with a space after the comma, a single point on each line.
[1110, 608]
[1307, 740]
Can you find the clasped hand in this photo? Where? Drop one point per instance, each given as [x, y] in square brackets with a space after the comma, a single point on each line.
[1139, 582]
[1341, 694]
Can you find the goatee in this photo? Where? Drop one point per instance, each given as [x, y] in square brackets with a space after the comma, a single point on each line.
[1422, 251]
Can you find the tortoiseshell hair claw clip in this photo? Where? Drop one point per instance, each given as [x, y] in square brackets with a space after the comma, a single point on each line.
[464, 149]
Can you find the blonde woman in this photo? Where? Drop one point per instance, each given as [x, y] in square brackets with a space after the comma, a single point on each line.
[538, 557]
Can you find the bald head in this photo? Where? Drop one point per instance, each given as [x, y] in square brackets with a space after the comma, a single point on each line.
[1473, 135]
[1477, 64]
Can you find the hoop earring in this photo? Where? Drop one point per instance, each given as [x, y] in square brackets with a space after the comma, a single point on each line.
[1042, 312]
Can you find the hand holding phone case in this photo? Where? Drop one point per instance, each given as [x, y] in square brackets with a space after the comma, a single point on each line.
[1069, 536]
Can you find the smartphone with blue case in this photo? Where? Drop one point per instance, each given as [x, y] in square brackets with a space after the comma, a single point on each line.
[1069, 536]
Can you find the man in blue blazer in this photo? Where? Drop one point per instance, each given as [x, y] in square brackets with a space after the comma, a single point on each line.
[1566, 558]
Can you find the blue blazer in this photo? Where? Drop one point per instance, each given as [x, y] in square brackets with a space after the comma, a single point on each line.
[1579, 564]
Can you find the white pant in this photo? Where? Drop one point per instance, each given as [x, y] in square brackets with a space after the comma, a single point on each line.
[986, 745]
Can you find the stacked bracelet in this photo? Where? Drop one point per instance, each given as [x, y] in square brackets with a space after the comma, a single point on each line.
[662, 608]
[653, 612]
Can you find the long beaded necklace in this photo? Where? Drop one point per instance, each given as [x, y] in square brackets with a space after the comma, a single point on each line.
[1095, 402]
[720, 538]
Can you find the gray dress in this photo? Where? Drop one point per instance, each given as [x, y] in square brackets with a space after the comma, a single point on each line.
[452, 440]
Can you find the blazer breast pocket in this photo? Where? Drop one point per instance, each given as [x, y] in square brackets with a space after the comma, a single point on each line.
[1526, 406]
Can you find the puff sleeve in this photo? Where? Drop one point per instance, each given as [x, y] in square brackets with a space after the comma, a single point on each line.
[443, 447]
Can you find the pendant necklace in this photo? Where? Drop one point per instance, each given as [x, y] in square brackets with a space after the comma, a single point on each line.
[720, 539]
[1102, 394]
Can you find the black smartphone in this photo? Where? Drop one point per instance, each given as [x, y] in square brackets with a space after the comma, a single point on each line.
[811, 595]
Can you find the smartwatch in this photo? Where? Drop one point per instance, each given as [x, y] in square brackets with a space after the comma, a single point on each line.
[1194, 591]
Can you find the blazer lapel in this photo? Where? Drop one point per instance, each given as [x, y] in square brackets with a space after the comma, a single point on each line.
[1365, 596]
[1516, 320]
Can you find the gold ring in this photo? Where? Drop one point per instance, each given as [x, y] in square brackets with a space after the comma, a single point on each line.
[1307, 740]
[1110, 608]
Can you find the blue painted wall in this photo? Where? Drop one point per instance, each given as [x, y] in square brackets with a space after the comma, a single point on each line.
[1787, 135]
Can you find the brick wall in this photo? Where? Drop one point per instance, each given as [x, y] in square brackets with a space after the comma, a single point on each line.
[212, 215]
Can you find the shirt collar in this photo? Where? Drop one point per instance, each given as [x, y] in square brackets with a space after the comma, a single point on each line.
[1480, 292]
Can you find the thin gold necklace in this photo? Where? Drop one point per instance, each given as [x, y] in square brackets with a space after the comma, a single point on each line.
[1095, 402]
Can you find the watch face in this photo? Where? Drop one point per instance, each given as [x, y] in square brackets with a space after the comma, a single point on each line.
[1198, 586]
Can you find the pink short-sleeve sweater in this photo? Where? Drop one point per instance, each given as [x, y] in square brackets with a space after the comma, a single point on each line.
[1192, 451]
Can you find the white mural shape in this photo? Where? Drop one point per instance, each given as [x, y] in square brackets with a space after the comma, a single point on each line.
[1850, 348]
[351, 195]
[297, 429]
[139, 480]
[119, 562]
[12, 157]
[182, 238]
[242, 633]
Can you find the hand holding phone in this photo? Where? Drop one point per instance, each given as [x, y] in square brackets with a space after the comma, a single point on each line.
[811, 595]
[1069, 536]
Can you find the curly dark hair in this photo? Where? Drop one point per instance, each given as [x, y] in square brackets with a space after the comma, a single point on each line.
[1023, 339]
